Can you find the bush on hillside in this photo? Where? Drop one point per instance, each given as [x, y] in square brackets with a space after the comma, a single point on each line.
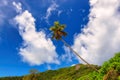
[110, 70]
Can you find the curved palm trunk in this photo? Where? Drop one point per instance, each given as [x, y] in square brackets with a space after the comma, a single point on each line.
[78, 54]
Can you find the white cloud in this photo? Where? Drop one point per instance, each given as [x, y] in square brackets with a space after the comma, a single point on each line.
[68, 56]
[6, 11]
[92, 2]
[100, 38]
[50, 9]
[37, 48]
[59, 12]
[18, 6]
[3, 4]
[73, 64]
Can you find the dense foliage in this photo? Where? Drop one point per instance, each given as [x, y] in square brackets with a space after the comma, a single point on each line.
[71, 73]
[110, 70]
[11, 78]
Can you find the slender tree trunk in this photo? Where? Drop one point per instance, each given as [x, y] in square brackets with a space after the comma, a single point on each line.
[66, 44]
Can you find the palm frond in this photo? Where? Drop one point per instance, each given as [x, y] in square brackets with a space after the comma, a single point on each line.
[57, 30]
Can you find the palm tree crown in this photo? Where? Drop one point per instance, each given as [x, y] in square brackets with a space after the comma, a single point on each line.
[57, 30]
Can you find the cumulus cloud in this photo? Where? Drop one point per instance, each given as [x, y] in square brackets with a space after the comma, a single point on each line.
[37, 48]
[100, 39]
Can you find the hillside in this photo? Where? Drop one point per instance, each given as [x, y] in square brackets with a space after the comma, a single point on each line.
[68, 73]
[110, 70]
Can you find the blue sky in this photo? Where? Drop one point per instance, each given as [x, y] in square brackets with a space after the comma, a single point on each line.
[25, 43]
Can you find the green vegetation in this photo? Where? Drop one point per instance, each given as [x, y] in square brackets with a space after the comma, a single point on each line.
[11, 78]
[68, 73]
[110, 70]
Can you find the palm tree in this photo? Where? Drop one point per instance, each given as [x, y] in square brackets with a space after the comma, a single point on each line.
[58, 32]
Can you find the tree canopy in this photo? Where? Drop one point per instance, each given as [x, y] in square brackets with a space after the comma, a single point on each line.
[58, 30]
